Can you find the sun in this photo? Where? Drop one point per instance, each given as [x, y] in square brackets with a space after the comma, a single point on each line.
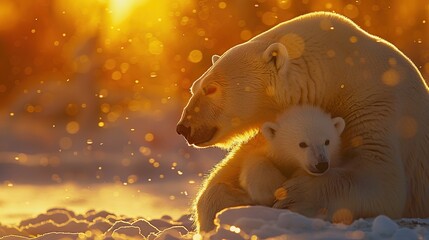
[120, 9]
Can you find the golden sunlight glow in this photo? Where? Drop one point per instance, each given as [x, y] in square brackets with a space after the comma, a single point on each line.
[28, 201]
[7, 16]
[120, 9]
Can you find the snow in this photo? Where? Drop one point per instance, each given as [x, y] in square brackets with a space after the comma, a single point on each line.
[383, 226]
[246, 222]
[62, 223]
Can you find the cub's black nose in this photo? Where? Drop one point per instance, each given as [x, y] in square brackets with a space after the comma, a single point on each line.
[322, 167]
[183, 130]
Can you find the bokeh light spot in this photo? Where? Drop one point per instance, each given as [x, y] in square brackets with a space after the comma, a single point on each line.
[390, 77]
[72, 127]
[116, 75]
[30, 108]
[392, 62]
[222, 5]
[343, 215]
[105, 107]
[132, 179]
[124, 67]
[351, 11]
[195, 56]
[284, 4]
[156, 47]
[269, 18]
[330, 53]
[145, 151]
[110, 64]
[246, 35]
[280, 193]
[56, 178]
[234, 229]
[149, 137]
[353, 39]
[184, 21]
[21, 158]
[294, 44]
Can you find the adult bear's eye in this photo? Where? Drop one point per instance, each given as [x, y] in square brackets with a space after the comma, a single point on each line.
[210, 89]
[303, 145]
[327, 142]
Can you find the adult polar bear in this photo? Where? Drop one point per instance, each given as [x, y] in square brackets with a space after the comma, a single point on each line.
[326, 60]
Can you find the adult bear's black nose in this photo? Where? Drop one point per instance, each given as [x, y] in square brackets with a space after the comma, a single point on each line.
[322, 166]
[183, 130]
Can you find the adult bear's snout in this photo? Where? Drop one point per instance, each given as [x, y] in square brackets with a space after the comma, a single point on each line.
[322, 166]
[199, 136]
[183, 130]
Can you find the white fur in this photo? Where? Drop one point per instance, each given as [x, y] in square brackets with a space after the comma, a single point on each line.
[261, 176]
[333, 64]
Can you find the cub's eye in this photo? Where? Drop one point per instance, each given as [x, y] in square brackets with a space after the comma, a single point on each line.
[327, 142]
[210, 89]
[303, 145]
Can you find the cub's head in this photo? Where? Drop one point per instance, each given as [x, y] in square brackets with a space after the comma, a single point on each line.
[235, 95]
[306, 135]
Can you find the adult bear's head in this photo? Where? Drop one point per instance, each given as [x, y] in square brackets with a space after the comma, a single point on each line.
[239, 92]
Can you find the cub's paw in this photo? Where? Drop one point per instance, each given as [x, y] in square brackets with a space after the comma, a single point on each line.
[302, 194]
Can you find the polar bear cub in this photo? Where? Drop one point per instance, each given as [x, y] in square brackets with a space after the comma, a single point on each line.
[303, 137]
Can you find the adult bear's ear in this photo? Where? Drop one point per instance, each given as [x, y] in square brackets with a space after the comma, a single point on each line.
[269, 130]
[215, 58]
[339, 124]
[277, 52]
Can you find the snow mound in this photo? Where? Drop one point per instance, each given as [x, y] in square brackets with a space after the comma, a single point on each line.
[250, 222]
[64, 224]
[257, 222]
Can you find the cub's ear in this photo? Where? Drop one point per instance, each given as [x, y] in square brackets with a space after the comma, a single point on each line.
[277, 52]
[269, 130]
[215, 58]
[339, 124]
